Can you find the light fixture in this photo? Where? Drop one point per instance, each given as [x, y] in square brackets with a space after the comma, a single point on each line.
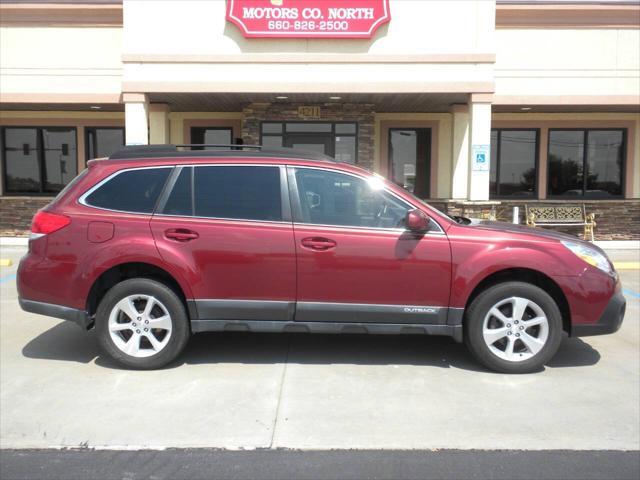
[525, 109]
[335, 98]
[95, 107]
[281, 97]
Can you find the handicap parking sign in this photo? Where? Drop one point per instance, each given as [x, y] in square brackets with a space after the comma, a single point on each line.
[480, 158]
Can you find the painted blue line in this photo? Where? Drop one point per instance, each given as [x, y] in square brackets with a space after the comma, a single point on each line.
[631, 293]
[6, 278]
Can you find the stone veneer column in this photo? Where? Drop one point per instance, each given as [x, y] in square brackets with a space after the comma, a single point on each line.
[362, 114]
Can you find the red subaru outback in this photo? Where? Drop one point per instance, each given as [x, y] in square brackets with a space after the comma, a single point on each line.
[155, 243]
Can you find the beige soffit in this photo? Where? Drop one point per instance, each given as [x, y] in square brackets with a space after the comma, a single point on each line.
[567, 16]
[61, 14]
[312, 58]
[60, 98]
[318, 87]
[566, 100]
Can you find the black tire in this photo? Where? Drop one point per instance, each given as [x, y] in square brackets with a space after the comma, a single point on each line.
[180, 330]
[480, 307]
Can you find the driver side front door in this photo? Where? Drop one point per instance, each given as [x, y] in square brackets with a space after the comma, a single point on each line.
[355, 260]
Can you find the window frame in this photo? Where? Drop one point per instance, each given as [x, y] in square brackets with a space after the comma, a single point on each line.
[88, 130]
[585, 157]
[285, 206]
[536, 188]
[296, 206]
[332, 133]
[40, 158]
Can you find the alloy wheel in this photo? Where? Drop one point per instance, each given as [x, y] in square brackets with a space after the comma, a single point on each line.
[140, 325]
[515, 329]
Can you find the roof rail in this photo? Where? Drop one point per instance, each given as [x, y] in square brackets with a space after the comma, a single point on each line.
[200, 150]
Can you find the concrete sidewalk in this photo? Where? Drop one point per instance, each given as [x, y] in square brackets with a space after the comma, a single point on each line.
[246, 391]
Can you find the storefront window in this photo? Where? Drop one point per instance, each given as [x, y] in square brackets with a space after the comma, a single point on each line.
[38, 160]
[338, 140]
[586, 163]
[513, 170]
[103, 141]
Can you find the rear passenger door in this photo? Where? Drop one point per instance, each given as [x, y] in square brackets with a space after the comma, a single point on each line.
[229, 228]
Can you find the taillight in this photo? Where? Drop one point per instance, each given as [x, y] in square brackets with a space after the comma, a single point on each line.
[45, 222]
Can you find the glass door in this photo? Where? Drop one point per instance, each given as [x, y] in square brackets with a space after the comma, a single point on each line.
[410, 159]
[211, 136]
[314, 143]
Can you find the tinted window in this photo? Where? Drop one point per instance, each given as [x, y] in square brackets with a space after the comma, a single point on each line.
[605, 159]
[134, 191]
[513, 163]
[330, 198]
[244, 193]
[102, 142]
[39, 160]
[60, 157]
[566, 162]
[21, 160]
[180, 201]
[586, 163]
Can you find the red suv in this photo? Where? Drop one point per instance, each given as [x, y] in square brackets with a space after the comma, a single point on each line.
[155, 243]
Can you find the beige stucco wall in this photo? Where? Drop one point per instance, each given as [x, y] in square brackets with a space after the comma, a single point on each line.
[60, 60]
[199, 27]
[203, 44]
[568, 62]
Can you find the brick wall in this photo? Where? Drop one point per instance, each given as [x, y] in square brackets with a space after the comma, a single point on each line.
[615, 219]
[16, 214]
[361, 113]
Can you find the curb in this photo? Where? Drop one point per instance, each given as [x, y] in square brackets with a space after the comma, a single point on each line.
[14, 241]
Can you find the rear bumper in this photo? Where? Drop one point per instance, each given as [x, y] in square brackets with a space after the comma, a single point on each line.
[79, 317]
[609, 322]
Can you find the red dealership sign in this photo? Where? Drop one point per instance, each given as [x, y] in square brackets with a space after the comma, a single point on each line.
[308, 18]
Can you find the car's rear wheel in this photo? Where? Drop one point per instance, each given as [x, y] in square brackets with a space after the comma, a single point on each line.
[142, 324]
[513, 327]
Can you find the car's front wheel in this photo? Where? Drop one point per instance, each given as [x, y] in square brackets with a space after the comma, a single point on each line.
[142, 324]
[513, 327]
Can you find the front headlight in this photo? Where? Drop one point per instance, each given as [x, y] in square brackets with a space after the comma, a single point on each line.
[590, 255]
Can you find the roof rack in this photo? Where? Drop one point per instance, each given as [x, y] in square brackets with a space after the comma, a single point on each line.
[201, 150]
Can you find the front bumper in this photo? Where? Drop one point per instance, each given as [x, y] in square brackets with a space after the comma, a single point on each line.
[609, 322]
[79, 317]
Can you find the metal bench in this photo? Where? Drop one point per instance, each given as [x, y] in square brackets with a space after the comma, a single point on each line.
[561, 216]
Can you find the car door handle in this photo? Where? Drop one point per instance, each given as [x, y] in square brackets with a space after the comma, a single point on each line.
[318, 243]
[181, 234]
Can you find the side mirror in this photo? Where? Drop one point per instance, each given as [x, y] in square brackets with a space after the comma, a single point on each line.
[417, 221]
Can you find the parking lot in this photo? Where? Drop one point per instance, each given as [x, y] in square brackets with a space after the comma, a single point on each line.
[248, 391]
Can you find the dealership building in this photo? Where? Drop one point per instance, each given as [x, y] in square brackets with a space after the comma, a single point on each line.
[476, 106]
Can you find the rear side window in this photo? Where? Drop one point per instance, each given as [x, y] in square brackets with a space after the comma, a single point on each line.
[134, 191]
[234, 192]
